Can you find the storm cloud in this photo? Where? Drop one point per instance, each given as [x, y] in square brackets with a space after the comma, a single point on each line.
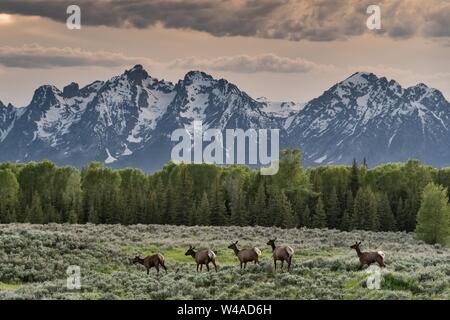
[295, 20]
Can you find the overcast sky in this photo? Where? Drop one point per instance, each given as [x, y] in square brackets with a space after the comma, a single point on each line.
[283, 50]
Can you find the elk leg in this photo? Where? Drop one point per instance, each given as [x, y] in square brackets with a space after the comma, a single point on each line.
[164, 267]
[201, 267]
[207, 267]
[360, 267]
[282, 263]
[245, 265]
[289, 263]
[197, 267]
[157, 268]
[275, 263]
[148, 270]
[214, 264]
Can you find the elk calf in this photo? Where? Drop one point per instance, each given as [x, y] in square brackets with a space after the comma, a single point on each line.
[148, 262]
[283, 253]
[202, 257]
[245, 255]
[367, 258]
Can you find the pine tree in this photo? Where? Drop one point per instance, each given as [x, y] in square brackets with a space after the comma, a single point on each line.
[319, 219]
[354, 178]
[287, 214]
[365, 215]
[238, 208]
[261, 213]
[306, 217]
[347, 218]
[218, 210]
[204, 211]
[433, 218]
[193, 215]
[333, 213]
[387, 219]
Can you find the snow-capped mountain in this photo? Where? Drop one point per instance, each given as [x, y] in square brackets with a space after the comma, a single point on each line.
[128, 120]
[7, 118]
[371, 117]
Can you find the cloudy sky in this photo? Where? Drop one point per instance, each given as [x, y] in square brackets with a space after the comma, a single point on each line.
[281, 49]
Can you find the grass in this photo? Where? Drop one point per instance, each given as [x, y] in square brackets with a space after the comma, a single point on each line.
[324, 267]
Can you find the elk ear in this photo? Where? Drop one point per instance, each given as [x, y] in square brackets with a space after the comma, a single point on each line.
[236, 242]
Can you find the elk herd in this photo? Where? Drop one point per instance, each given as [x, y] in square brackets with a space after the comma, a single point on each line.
[279, 253]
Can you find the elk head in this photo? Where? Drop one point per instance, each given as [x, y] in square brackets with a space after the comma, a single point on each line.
[190, 251]
[233, 245]
[271, 242]
[356, 245]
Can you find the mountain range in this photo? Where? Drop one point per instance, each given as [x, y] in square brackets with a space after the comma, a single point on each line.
[128, 120]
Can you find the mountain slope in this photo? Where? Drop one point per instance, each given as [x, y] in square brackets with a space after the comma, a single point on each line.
[371, 117]
[128, 120]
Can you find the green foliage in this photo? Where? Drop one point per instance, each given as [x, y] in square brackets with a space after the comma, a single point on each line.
[319, 219]
[433, 219]
[385, 198]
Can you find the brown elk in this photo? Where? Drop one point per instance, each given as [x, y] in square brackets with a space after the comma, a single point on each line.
[367, 258]
[245, 255]
[202, 257]
[283, 253]
[148, 262]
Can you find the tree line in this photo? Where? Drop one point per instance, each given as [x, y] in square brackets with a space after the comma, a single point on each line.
[385, 198]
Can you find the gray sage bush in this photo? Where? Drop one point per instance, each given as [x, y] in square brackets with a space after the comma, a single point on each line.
[34, 259]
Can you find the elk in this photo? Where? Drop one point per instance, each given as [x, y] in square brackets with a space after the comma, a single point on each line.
[148, 262]
[367, 258]
[202, 257]
[283, 253]
[245, 255]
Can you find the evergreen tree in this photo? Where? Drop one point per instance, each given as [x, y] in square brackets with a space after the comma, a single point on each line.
[365, 215]
[204, 211]
[347, 221]
[354, 178]
[333, 212]
[193, 216]
[261, 213]
[306, 217]
[218, 210]
[387, 219]
[433, 219]
[319, 219]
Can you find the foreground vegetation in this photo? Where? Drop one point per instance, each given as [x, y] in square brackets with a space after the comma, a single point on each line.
[34, 259]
